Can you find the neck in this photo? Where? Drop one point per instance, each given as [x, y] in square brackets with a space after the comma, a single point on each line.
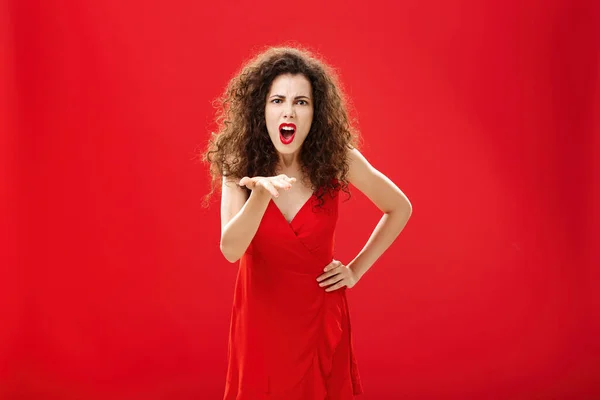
[289, 161]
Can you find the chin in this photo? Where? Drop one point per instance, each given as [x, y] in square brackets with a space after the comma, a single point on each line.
[285, 148]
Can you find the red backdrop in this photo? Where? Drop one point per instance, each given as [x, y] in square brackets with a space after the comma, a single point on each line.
[485, 114]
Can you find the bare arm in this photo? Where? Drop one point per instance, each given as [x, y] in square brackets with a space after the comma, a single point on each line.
[389, 199]
[241, 215]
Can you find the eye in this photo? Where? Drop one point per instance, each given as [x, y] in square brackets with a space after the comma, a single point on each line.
[275, 101]
[302, 102]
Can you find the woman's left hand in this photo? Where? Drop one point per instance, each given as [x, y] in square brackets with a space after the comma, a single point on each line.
[337, 275]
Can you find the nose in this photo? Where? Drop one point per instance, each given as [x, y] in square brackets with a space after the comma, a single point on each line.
[288, 111]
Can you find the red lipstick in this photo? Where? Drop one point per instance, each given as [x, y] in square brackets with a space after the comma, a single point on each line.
[287, 133]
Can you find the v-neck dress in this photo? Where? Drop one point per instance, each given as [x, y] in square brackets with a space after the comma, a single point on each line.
[289, 338]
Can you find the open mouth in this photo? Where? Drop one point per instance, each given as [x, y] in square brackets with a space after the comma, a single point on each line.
[287, 133]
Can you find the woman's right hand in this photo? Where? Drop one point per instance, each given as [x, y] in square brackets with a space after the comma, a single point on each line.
[269, 184]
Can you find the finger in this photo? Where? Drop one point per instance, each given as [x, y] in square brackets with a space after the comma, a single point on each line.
[334, 279]
[286, 178]
[328, 274]
[332, 265]
[283, 183]
[278, 182]
[336, 286]
[244, 181]
[270, 188]
[332, 268]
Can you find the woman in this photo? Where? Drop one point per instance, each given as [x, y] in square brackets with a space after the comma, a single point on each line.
[284, 151]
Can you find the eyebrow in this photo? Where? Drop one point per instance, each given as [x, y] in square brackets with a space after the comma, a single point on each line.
[295, 98]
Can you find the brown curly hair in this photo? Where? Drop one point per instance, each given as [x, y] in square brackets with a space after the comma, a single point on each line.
[242, 146]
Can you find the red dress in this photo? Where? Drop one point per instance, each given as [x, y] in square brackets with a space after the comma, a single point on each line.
[289, 339]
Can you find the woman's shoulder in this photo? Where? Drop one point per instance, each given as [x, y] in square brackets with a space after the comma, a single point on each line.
[357, 162]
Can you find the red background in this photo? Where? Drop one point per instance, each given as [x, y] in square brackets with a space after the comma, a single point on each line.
[485, 114]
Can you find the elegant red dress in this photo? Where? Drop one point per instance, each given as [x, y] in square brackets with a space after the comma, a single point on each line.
[289, 338]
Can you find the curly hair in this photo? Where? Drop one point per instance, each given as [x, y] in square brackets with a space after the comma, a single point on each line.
[242, 147]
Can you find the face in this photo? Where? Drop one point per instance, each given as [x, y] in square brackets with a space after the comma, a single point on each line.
[289, 112]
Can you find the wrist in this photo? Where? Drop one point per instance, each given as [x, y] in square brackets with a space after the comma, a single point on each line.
[356, 270]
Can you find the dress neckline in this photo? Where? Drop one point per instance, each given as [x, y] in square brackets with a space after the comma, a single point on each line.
[304, 205]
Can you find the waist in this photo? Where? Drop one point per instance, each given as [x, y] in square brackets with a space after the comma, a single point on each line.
[303, 264]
